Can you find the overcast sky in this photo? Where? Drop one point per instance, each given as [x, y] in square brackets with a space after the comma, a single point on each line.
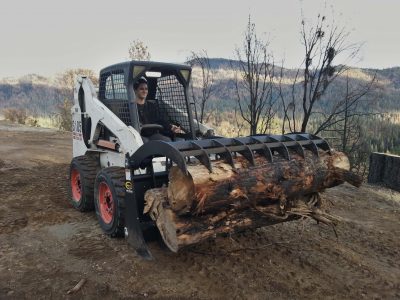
[47, 36]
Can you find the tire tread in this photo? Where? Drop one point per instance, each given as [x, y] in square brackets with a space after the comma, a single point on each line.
[117, 177]
[88, 168]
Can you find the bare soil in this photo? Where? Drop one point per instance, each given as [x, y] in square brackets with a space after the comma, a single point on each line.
[47, 247]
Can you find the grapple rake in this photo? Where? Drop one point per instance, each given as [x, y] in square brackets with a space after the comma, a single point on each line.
[266, 145]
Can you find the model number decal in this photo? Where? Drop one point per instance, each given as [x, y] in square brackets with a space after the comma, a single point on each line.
[77, 130]
[77, 126]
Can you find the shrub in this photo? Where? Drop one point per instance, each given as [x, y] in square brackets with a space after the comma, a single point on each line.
[15, 115]
[32, 121]
[9, 114]
[64, 116]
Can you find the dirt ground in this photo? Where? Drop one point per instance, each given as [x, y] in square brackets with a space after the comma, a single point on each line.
[46, 247]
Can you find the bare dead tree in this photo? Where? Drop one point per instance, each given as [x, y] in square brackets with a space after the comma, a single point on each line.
[323, 43]
[138, 51]
[206, 84]
[254, 81]
[344, 122]
[346, 107]
[305, 104]
[287, 106]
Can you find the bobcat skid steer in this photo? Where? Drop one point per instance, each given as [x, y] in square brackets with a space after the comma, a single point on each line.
[198, 185]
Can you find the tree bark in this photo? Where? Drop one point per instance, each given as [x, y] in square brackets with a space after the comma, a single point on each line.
[245, 186]
[181, 231]
[201, 205]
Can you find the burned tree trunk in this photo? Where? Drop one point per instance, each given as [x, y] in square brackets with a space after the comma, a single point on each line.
[201, 204]
[244, 186]
[180, 231]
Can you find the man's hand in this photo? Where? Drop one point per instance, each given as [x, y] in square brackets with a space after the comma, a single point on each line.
[176, 129]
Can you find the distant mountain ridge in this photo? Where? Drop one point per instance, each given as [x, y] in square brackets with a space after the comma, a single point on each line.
[386, 93]
[42, 95]
[29, 78]
[37, 94]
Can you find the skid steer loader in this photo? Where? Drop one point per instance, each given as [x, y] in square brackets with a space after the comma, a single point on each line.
[196, 186]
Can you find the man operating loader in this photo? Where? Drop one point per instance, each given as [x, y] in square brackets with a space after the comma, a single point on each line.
[148, 114]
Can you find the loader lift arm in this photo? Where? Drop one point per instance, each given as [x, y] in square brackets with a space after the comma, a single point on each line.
[100, 115]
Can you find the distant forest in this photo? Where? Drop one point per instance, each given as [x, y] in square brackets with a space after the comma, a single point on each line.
[41, 95]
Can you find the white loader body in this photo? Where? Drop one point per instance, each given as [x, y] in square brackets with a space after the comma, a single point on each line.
[126, 137]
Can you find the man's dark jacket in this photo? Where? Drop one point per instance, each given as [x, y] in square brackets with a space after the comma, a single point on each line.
[149, 114]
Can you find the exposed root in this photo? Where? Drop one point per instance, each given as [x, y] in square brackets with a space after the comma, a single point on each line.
[306, 207]
[311, 209]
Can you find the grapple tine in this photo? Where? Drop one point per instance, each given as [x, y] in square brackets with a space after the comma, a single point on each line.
[203, 157]
[227, 155]
[298, 148]
[307, 143]
[265, 150]
[282, 149]
[247, 153]
[319, 142]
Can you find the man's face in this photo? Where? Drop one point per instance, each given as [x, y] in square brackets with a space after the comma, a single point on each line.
[142, 91]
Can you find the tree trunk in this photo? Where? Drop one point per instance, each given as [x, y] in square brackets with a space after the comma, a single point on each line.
[200, 205]
[204, 192]
[181, 231]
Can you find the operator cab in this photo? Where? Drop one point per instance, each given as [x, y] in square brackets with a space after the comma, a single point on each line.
[168, 89]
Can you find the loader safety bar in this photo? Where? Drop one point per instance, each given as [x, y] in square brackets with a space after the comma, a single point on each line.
[227, 148]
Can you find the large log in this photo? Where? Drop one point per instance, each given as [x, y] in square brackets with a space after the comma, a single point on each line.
[181, 231]
[201, 204]
[245, 185]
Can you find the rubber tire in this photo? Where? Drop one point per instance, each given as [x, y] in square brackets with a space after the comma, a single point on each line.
[87, 168]
[114, 177]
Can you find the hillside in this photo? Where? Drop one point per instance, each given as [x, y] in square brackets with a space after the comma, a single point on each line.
[37, 94]
[384, 98]
[42, 95]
